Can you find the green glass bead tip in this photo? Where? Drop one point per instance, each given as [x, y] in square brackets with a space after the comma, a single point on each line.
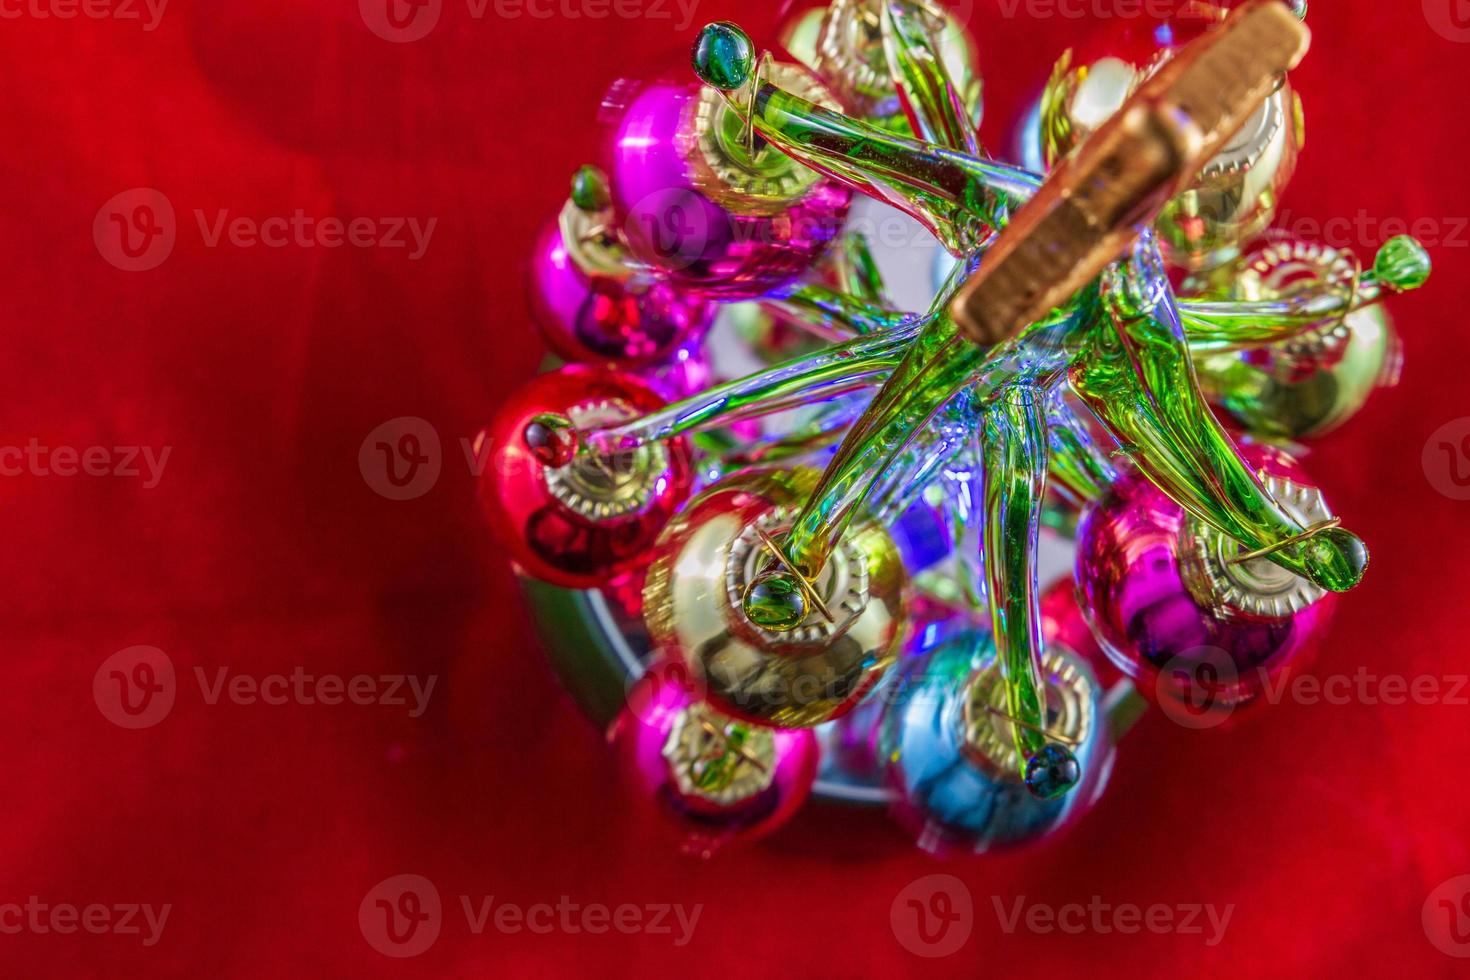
[1402, 263]
[1335, 559]
[775, 602]
[589, 189]
[1053, 771]
[723, 56]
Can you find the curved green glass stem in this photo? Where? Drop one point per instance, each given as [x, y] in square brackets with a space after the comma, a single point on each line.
[1223, 325]
[934, 105]
[1014, 442]
[833, 315]
[1079, 469]
[938, 364]
[822, 429]
[959, 197]
[1135, 373]
[858, 271]
[857, 364]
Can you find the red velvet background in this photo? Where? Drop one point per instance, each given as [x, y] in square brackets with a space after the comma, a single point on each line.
[262, 548]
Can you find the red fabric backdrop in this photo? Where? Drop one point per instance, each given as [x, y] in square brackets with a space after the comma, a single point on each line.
[262, 549]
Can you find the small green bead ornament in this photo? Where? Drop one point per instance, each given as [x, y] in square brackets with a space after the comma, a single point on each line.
[723, 56]
[775, 602]
[589, 189]
[1402, 264]
[1051, 772]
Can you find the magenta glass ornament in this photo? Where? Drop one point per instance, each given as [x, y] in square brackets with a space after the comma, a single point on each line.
[628, 322]
[1174, 613]
[580, 524]
[685, 373]
[688, 207]
[715, 780]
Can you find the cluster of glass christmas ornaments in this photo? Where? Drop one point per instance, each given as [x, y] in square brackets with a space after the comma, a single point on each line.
[783, 537]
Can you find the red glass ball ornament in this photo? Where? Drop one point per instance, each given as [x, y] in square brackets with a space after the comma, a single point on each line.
[584, 523]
